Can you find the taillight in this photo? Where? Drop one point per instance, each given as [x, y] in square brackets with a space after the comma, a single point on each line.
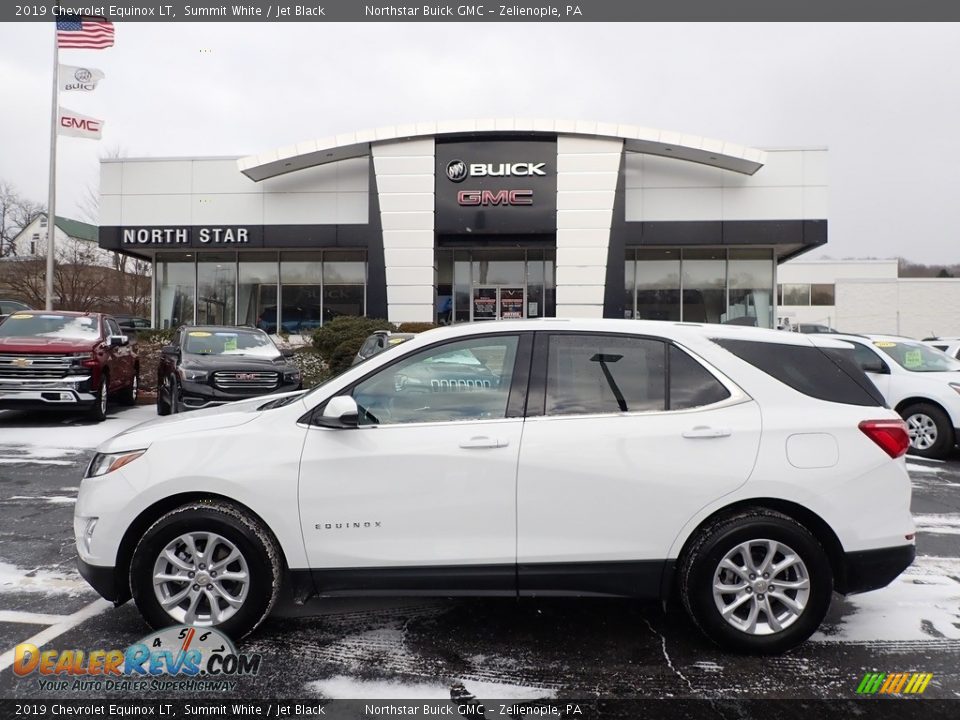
[890, 435]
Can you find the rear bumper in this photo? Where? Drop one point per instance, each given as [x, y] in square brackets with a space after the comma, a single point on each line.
[873, 569]
[104, 581]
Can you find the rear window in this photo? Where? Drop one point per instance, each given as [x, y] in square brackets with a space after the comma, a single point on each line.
[822, 373]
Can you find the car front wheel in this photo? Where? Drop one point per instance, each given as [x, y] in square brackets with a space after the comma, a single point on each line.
[207, 564]
[98, 411]
[757, 582]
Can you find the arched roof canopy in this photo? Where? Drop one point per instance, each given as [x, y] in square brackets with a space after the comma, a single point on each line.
[691, 148]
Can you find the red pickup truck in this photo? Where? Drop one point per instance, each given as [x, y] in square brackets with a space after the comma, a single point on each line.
[66, 360]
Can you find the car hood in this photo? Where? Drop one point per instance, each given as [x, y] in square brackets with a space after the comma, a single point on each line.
[36, 345]
[217, 418]
[214, 363]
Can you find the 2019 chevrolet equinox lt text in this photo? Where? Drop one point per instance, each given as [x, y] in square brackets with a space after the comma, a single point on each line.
[720, 465]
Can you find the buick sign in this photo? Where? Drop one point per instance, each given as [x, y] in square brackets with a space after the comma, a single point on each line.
[457, 170]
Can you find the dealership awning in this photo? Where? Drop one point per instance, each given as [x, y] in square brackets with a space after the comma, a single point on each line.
[692, 148]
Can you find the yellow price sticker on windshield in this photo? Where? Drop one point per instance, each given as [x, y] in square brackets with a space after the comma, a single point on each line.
[395, 341]
[913, 359]
[199, 333]
[20, 317]
[230, 344]
[884, 343]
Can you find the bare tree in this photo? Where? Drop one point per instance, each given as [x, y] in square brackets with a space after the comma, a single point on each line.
[16, 212]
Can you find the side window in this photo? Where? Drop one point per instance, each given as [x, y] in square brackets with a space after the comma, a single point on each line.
[691, 385]
[589, 374]
[112, 327]
[464, 380]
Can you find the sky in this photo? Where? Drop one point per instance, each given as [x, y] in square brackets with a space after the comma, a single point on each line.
[884, 98]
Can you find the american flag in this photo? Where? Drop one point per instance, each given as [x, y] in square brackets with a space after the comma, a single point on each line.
[89, 33]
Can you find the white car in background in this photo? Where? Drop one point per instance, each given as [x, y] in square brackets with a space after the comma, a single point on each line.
[918, 381]
[749, 473]
[949, 345]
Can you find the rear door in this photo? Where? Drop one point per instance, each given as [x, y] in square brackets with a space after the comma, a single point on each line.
[120, 360]
[626, 438]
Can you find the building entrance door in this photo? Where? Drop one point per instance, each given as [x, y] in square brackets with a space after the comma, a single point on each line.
[498, 302]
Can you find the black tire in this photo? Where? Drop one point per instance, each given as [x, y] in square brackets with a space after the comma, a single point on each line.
[163, 406]
[258, 548]
[702, 559]
[943, 444]
[128, 396]
[175, 406]
[98, 411]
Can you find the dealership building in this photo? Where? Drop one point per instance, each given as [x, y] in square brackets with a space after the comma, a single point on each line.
[468, 221]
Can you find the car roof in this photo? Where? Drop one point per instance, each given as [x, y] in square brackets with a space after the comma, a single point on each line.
[664, 328]
[67, 313]
[223, 328]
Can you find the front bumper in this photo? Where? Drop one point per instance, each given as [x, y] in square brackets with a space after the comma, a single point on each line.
[196, 396]
[104, 581]
[873, 569]
[70, 391]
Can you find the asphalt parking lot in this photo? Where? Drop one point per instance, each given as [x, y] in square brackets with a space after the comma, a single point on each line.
[502, 648]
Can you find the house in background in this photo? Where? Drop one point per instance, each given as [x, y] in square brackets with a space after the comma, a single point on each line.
[75, 241]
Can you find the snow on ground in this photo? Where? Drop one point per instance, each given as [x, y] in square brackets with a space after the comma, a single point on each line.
[344, 687]
[938, 524]
[915, 467]
[15, 579]
[55, 432]
[52, 499]
[922, 604]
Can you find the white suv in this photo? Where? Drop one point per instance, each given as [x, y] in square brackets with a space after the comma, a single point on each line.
[748, 472]
[919, 382]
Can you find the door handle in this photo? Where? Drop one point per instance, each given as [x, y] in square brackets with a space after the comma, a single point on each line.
[704, 431]
[483, 441]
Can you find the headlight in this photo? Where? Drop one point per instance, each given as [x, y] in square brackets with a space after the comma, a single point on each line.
[104, 463]
[193, 375]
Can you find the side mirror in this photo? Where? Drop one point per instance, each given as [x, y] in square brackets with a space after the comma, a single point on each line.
[340, 413]
[118, 341]
[878, 368]
[169, 350]
[286, 352]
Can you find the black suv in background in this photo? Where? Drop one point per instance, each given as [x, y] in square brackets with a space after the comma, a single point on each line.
[211, 365]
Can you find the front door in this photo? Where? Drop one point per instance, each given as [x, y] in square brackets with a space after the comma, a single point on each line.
[498, 302]
[422, 495]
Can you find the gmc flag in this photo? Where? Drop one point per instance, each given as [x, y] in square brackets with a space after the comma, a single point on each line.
[74, 124]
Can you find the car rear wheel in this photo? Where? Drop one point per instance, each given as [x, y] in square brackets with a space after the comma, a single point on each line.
[757, 582]
[129, 395]
[207, 564]
[931, 434]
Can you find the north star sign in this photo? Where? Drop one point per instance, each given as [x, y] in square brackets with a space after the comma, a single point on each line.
[181, 236]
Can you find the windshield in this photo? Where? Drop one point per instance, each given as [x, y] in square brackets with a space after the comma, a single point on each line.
[223, 342]
[51, 325]
[917, 357]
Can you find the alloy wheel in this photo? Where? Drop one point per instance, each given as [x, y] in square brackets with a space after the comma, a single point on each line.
[201, 578]
[761, 587]
[922, 430]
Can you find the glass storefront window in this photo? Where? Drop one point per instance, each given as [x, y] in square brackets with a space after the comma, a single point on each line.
[344, 284]
[499, 267]
[444, 298]
[462, 285]
[796, 294]
[175, 282]
[822, 294]
[704, 285]
[301, 292]
[257, 290]
[750, 273]
[658, 285]
[216, 288]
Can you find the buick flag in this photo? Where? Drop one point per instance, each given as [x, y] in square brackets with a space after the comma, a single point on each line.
[76, 125]
[79, 78]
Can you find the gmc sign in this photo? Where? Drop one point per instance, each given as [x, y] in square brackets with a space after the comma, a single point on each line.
[76, 123]
[498, 197]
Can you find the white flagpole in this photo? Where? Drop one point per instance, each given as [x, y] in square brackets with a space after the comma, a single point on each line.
[52, 198]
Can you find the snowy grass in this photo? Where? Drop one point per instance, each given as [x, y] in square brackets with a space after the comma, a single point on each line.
[55, 438]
